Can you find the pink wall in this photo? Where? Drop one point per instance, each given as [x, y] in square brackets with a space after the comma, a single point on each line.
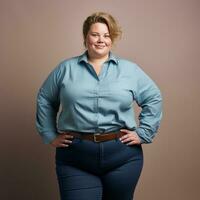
[161, 36]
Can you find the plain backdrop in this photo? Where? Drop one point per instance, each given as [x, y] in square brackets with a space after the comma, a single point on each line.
[161, 36]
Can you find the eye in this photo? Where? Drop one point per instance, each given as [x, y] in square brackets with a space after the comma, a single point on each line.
[94, 34]
[107, 36]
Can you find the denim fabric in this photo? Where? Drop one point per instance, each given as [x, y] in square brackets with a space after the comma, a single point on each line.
[97, 103]
[98, 171]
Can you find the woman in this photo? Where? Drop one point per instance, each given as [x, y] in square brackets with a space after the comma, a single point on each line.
[98, 144]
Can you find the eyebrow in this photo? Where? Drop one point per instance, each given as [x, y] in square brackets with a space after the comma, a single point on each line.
[99, 33]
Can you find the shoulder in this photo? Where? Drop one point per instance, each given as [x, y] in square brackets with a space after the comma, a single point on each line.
[68, 61]
[60, 69]
[128, 65]
[132, 69]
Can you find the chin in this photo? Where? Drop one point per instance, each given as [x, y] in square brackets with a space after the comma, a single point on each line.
[101, 53]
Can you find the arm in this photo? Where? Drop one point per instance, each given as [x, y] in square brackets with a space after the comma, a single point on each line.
[149, 98]
[48, 103]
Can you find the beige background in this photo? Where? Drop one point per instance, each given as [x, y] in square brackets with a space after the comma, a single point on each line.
[161, 36]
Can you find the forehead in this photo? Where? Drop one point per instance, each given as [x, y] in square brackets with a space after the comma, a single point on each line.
[99, 27]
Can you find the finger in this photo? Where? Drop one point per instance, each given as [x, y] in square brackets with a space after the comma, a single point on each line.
[131, 143]
[68, 136]
[136, 137]
[59, 145]
[136, 142]
[126, 136]
[63, 145]
[126, 140]
[125, 130]
[67, 141]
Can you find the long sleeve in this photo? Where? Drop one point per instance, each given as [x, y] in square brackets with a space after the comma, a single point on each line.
[149, 98]
[96, 104]
[48, 102]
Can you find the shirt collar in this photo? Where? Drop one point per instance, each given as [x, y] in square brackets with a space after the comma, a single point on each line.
[84, 58]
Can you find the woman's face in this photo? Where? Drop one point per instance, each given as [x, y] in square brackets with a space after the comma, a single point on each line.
[98, 41]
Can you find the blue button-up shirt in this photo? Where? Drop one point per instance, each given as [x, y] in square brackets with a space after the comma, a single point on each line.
[92, 103]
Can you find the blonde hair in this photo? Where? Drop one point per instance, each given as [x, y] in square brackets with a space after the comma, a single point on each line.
[102, 17]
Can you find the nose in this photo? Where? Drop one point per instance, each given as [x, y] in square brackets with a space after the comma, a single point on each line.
[100, 38]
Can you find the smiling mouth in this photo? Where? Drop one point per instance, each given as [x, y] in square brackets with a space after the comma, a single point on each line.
[100, 46]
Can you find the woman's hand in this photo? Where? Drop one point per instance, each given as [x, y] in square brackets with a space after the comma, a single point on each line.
[130, 138]
[62, 140]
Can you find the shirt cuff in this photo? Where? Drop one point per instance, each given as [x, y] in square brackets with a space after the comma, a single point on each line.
[48, 137]
[141, 133]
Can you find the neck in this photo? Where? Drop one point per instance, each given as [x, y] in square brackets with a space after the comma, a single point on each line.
[94, 59]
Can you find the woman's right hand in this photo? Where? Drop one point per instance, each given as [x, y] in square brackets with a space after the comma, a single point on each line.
[62, 140]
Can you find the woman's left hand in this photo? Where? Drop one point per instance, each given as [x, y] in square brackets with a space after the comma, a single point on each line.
[130, 138]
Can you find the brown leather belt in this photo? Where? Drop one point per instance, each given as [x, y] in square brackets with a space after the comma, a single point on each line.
[97, 137]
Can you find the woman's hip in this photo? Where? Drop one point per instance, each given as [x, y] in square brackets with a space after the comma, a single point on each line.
[98, 156]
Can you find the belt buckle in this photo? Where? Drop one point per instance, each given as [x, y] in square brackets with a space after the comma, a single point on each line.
[94, 136]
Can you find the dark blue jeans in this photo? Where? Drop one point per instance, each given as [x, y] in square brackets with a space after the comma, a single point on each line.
[98, 171]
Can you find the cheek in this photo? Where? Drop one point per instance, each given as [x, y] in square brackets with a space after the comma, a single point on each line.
[91, 41]
[108, 43]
